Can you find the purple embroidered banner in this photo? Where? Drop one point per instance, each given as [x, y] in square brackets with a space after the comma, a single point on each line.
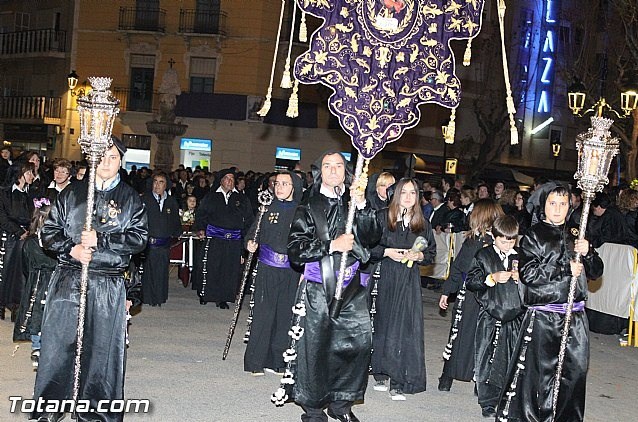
[383, 58]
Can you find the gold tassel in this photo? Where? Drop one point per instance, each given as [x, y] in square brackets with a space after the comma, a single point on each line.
[451, 128]
[285, 79]
[467, 57]
[293, 102]
[303, 30]
[266, 107]
[513, 134]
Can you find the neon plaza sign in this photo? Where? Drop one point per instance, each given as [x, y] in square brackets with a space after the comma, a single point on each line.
[547, 61]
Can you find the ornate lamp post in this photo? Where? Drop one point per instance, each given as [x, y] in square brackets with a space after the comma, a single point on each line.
[555, 151]
[97, 114]
[576, 98]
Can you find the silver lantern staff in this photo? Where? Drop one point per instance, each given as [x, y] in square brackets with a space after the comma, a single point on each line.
[97, 114]
[596, 148]
[360, 175]
[265, 199]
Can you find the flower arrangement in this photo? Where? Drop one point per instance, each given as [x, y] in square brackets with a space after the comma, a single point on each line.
[187, 217]
[39, 202]
[634, 184]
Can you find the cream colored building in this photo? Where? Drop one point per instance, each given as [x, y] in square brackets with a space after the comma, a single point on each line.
[222, 53]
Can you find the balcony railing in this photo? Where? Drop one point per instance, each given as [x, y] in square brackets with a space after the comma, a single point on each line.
[30, 108]
[138, 19]
[136, 100]
[35, 41]
[198, 22]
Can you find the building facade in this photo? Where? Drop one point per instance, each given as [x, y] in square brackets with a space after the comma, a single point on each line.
[222, 53]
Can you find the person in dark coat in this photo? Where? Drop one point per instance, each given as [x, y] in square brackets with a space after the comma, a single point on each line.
[494, 279]
[546, 267]
[61, 178]
[520, 213]
[437, 218]
[398, 339]
[377, 190]
[37, 266]
[333, 354]
[119, 229]
[458, 354]
[5, 163]
[608, 225]
[41, 180]
[162, 212]
[16, 209]
[275, 283]
[454, 220]
[222, 218]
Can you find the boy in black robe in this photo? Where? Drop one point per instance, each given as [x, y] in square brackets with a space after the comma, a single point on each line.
[494, 279]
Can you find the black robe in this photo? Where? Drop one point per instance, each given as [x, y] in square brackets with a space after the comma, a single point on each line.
[459, 353]
[397, 342]
[217, 272]
[16, 209]
[162, 226]
[333, 355]
[499, 323]
[121, 226]
[37, 267]
[544, 255]
[274, 292]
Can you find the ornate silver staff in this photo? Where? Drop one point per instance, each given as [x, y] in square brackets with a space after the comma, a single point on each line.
[97, 114]
[596, 148]
[361, 170]
[265, 199]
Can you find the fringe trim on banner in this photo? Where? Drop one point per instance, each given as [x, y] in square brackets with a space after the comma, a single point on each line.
[266, 107]
[451, 128]
[467, 57]
[286, 83]
[303, 29]
[293, 102]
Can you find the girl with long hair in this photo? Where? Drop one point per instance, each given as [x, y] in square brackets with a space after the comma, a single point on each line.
[37, 267]
[398, 348]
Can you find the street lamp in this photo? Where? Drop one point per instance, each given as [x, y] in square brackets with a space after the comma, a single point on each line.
[555, 150]
[72, 80]
[628, 99]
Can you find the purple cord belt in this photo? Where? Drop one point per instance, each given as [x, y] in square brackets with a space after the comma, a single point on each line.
[272, 258]
[221, 233]
[560, 308]
[312, 272]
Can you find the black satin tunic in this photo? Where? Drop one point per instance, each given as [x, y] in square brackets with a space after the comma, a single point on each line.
[121, 226]
[333, 354]
[544, 255]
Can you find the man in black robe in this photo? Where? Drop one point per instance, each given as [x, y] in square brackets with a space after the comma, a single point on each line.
[546, 266]
[333, 353]
[222, 219]
[163, 224]
[119, 230]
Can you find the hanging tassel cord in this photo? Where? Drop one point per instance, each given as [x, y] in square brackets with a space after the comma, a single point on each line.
[293, 102]
[511, 109]
[303, 29]
[467, 56]
[266, 107]
[286, 81]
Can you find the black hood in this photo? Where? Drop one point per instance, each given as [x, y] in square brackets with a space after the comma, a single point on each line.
[219, 176]
[297, 184]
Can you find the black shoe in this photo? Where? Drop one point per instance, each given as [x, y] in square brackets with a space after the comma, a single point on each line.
[350, 417]
[445, 383]
[488, 412]
[223, 305]
[2, 314]
[202, 302]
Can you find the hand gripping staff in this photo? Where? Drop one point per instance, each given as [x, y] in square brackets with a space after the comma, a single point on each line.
[265, 199]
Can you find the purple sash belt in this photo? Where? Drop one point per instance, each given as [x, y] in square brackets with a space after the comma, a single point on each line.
[158, 242]
[312, 272]
[219, 233]
[272, 258]
[560, 308]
